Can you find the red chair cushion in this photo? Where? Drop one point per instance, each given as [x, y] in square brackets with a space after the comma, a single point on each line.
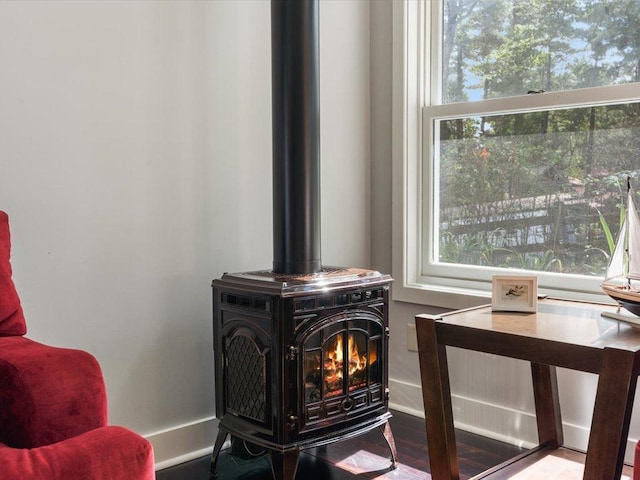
[108, 453]
[47, 394]
[11, 317]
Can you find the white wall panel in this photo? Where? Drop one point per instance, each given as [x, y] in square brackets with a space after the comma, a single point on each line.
[135, 165]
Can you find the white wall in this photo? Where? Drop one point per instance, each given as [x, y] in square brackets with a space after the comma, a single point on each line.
[135, 156]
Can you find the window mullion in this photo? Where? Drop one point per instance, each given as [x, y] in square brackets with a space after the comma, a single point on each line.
[530, 103]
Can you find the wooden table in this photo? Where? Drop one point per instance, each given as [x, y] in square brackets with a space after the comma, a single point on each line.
[562, 333]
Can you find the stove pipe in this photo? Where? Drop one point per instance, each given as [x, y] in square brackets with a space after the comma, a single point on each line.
[296, 136]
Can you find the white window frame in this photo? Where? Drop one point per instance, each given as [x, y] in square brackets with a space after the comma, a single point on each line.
[453, 286]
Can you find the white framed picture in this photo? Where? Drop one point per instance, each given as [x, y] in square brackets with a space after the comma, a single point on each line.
[514, 293]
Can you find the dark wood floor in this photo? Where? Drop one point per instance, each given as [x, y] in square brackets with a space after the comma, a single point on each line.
[365, 456]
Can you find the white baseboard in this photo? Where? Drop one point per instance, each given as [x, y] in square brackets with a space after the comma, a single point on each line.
[493, 421]
[183, 443]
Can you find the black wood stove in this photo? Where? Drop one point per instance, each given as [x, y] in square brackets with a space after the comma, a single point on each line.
[301, 360]
[301, 351]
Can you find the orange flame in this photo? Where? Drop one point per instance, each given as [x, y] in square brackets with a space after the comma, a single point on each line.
[335, 359]
[356, 361]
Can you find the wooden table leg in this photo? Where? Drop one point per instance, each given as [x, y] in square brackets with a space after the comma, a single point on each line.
[611, 414]
[547, 401]
[436, 392]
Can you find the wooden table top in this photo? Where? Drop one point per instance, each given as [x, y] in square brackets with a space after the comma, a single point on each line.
[564, 321]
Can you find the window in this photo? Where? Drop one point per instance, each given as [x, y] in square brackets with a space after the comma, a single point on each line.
[518, 124]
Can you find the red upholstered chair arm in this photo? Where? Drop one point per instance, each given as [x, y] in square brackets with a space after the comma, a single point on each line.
[47, 394]
[108, 453]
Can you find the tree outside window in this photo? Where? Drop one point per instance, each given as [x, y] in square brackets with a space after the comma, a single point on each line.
[531, 133]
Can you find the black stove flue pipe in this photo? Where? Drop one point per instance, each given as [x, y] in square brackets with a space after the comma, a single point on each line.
[296, 136]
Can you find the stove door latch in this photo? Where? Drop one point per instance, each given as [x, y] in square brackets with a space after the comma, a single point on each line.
[292, 421]
[292, 352]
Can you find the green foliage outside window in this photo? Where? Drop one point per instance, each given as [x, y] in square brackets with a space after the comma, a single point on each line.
[539, 190]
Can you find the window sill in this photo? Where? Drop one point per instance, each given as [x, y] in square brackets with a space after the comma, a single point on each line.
[439, 296]
[457, 298]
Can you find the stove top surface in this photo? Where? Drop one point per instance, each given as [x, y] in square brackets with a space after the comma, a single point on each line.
[330, 278]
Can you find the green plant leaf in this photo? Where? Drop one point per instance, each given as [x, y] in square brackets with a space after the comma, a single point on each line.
[607, 231]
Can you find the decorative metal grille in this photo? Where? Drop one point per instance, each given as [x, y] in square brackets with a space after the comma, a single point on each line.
[246, 378]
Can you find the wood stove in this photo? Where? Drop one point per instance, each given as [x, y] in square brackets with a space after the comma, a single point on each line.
[301, 360]
[301, 351]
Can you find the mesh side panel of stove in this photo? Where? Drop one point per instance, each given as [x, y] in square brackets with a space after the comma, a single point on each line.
[246, 378]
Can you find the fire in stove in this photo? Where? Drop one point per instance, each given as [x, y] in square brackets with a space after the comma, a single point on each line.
[326, 371]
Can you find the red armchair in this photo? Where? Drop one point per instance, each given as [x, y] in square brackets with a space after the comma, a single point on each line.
[53, 406]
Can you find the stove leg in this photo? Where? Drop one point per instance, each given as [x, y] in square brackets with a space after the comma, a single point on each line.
[220, 439]
[284, 464]
[388, 436]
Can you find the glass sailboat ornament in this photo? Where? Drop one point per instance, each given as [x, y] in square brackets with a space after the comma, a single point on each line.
[621, 281]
